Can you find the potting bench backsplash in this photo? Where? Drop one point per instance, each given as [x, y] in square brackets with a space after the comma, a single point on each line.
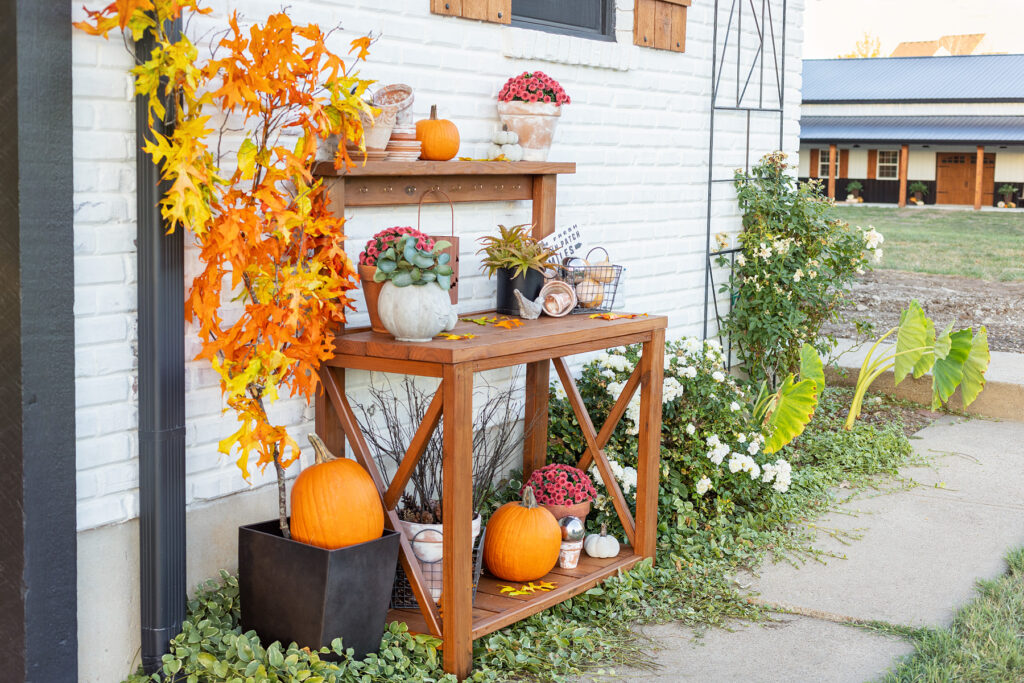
[537, 343]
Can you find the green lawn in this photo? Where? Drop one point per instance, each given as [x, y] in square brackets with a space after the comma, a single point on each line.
[988, 245]
[983, 644]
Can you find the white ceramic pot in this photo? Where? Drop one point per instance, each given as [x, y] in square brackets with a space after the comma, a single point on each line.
[416, 313]
[534, 122]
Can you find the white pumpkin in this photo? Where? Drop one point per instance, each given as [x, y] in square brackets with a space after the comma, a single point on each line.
[505, 136]
[601, 545]
[512, 152]
[493, 151]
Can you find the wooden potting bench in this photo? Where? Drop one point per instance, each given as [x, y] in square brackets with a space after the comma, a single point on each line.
[538, 344]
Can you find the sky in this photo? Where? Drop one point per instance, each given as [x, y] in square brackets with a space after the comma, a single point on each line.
[835, 26]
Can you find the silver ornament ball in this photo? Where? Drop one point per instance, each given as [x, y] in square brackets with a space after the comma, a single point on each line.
[572, 528]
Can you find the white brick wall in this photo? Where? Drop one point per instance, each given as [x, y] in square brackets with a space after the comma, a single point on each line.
[637, 128]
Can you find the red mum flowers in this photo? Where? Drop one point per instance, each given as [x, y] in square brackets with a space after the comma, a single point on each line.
[380, 242]
[533, 86]
[561, 485]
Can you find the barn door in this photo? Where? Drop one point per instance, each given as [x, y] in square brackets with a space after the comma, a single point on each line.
[955, 178]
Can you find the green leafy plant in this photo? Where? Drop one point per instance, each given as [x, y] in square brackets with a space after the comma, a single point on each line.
[854, 186]
[404, 263]
[787, 411]
[792, 276]
[918, 186]
[514, 248]
[1007, 189]
[955, 359]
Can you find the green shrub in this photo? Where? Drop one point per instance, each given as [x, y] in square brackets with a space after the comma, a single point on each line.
[796, 266]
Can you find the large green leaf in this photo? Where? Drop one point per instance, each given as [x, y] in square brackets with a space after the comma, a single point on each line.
[975, 367]
[915, 339]
[791, 409]
[811, 366]
[949, 368]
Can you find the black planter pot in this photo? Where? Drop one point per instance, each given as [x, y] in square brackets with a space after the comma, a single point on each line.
[292, 591]
[529, 284]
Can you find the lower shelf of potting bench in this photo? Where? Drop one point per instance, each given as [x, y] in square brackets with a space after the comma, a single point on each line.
[493, 609]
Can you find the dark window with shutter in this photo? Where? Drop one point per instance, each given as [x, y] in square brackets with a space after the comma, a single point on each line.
[585, 18]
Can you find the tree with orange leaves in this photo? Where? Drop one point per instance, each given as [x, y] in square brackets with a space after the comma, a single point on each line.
[265, 234]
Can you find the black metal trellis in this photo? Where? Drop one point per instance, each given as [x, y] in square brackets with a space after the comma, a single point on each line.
[767, 66]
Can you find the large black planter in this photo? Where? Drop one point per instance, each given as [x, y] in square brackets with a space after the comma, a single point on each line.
[529, 284]
[292, 591]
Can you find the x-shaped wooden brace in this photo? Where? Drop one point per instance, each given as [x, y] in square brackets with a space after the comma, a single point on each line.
[392, 494]
[597, 441]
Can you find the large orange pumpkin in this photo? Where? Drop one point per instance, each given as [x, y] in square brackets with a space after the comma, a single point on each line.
[335, 503]
[439, 138]
[522, 541]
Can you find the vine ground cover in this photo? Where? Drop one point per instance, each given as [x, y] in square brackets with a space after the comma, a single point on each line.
[593, 632]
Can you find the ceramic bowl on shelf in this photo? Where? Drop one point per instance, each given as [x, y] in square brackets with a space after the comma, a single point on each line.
[400, 96]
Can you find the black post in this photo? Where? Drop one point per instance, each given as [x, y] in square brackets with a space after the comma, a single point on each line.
[38, 592]
[161, 314]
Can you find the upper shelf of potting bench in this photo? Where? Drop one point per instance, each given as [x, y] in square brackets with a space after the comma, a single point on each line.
[390, 183]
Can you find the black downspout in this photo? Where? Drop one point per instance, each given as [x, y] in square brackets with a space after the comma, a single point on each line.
[161, 311]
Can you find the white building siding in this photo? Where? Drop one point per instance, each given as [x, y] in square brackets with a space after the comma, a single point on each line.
[858, 164]
[921, 165]
[1009, 166]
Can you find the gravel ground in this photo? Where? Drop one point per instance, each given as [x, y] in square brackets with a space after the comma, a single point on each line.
[999, 306]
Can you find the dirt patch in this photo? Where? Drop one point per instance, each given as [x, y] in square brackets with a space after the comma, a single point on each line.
[880, 295]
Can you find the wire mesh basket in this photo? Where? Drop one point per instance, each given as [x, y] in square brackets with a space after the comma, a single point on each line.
[596, 286]
[402, 596]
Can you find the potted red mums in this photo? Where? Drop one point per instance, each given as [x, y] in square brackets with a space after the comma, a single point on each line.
[530, 104]
[563, 489]
[377, 245]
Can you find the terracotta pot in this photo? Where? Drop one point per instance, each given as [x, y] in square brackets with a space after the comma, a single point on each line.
[569, 554]
[534, 122]
[371, 292]
[919, 196]
[580, 510]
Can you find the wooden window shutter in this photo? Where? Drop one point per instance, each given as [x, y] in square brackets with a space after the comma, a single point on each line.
[872, 163]
[660, 24]
[844, 163]
[814, 164]
[497, 11]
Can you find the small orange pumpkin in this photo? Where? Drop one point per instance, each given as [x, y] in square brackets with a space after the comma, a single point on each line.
[334, 502]
[439, 138]
[522, 541]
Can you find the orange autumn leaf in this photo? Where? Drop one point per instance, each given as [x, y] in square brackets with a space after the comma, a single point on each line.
[509, 323]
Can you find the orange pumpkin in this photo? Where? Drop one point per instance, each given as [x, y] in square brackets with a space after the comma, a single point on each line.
[335, 503]
[522, 541]
[439, 138]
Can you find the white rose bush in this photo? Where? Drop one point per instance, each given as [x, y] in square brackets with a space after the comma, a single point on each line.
[718, 460]
[796, 265]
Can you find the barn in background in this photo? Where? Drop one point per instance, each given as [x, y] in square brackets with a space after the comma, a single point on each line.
[952, 123]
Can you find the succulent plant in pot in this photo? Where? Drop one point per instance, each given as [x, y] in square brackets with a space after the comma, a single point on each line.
[520, 263]
[375, 246]
[414, 303]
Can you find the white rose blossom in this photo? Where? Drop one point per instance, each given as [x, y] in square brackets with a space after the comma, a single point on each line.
[703, 486]
[690, 429]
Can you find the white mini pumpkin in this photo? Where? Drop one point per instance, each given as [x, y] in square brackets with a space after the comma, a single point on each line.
[601, 545]
[512, 152]
[493, 151]
[505, 136]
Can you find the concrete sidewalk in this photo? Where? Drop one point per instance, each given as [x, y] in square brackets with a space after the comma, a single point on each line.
[916, 561]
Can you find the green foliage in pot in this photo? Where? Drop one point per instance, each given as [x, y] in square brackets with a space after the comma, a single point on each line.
[955, 359]
[854, 186]
[797, 264]
[918, 186]
[514, 248]
[1007, 189]
[405, 263]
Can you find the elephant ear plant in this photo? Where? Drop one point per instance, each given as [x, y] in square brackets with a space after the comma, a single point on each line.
[405, 263]
[955, 359]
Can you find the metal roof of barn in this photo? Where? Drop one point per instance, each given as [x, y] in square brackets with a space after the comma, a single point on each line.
[968, 78]
[908, 129]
